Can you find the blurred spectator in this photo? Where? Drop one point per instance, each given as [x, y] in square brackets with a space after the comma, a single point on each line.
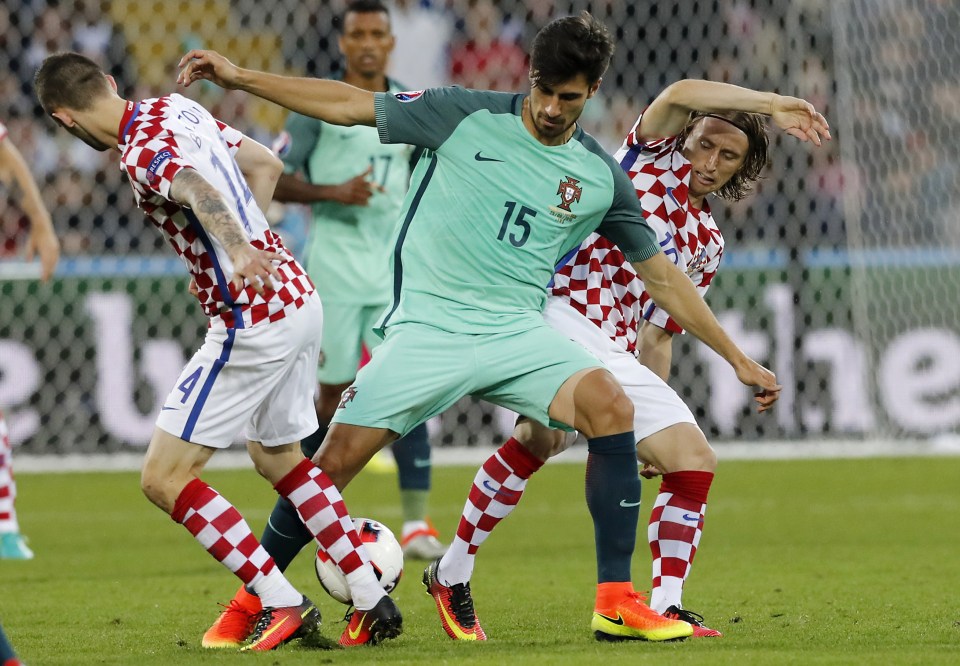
[482, 58]
[421, 57]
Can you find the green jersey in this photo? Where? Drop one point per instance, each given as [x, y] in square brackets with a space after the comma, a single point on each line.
[348, 246]
[491, 210]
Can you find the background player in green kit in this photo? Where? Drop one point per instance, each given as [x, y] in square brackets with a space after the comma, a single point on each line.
[347, 257]
[508, 185]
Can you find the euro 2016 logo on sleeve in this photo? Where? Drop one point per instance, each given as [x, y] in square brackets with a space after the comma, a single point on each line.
[569, 192]
[409, 96]
[347, 396]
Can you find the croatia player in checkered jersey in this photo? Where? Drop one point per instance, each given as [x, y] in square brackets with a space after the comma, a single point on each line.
[41, 241]
[695, 139]
[204, 185]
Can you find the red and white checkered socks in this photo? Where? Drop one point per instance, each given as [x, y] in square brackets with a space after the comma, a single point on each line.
[220, 528]
[322, 510]
[676, 524]
[497, 488]
[8, 488]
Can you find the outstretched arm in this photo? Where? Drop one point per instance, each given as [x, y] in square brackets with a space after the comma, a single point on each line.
[191, 189]
[42, 240]
[675, 293]
[332, 101]
[669, 112]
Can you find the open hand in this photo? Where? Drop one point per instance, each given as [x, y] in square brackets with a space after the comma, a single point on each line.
[256, 267]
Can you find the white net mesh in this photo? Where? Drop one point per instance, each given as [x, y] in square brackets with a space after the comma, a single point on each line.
[842, 269]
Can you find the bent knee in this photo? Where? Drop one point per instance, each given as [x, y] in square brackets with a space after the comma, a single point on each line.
[539, 440]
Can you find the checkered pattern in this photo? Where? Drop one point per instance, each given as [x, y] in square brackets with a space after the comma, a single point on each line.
[8, 487]
[496, 490]
[600, 283]
[161, 136]
[322, 510]
[220, 528]
[688, 236]
[676, 524]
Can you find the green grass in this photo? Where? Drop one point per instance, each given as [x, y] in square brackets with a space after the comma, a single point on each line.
[811, 562]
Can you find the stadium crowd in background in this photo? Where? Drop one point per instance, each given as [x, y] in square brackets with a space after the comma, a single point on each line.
[748, 49]
[900, 112]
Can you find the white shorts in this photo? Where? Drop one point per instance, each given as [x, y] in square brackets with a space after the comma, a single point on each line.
[655, 405]
[257, 381]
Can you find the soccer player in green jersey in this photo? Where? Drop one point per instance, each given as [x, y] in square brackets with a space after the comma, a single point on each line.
[508, 185]
[355, 186]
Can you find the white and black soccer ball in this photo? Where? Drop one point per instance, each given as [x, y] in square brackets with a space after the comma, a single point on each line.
[385, 553]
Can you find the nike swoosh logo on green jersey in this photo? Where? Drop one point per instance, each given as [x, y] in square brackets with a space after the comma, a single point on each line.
[480, 158]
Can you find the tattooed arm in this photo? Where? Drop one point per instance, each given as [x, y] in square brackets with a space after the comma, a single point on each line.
[191, 189]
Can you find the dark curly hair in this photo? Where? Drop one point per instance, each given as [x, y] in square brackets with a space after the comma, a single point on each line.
[570, 46]
[758, 145]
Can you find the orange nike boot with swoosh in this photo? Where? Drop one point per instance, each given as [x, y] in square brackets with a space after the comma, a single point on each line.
[454, 605]
[373, 626]
[235, 623]
[700, 630]
[278, 625]
[621, 614]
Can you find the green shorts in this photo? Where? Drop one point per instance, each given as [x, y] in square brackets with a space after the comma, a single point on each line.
[419, 371]
[345, 327]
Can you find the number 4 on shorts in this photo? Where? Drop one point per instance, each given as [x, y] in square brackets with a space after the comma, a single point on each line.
[187, 385]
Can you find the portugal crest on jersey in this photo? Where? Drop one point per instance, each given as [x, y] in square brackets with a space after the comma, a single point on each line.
[347, 396]
[569, 192]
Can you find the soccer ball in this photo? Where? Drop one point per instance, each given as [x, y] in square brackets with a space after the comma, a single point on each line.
[385, 553]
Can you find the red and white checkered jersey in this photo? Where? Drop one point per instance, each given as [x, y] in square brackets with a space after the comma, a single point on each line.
[159, 137]
[597, 279]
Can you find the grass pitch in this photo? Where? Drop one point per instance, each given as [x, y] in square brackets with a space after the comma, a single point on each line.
[802, 562]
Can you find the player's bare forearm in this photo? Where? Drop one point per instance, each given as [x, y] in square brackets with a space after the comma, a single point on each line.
[354, 192]
[211, 209]
[250, 264]
[655, 349]
[42, 240]
[15, 167]
[332, 101]
[292, 189]
[261, 169]
[669, 112]
[674, 292]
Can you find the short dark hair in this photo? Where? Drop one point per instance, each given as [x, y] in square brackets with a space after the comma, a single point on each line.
[570, 46]
[69, 80]
[758, 146]
[362, 7]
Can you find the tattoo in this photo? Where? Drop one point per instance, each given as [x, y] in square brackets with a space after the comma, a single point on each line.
[192, 189]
